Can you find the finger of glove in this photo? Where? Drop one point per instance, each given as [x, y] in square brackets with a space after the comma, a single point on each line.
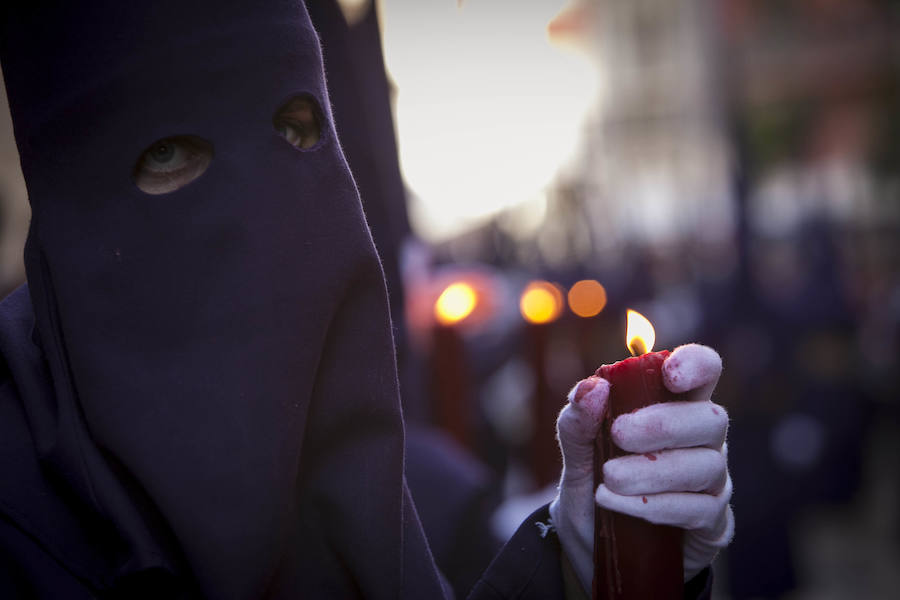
[693, 370]
[681, 470]
[578, 425]
[671, 425]
[691, 511]
[579, 421]
[573, 510]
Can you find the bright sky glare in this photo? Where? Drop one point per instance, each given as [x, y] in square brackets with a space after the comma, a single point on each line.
[487, 109]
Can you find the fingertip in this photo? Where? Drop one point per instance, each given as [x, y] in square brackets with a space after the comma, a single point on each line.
[720, 415]
[578, 390]
[602, 495]
[579, 420]
[586, 386]
[645, 430]
[691, 366]
[609, 500]
[615, 431]
[613, 474]
[590, 393]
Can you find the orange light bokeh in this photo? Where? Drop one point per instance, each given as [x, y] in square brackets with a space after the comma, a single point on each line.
[587, 298]
[541, 302]
[455, 303]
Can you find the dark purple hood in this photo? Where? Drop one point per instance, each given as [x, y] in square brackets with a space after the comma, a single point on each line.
[219, 385]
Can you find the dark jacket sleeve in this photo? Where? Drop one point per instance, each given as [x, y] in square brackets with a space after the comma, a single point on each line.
[700, 587]
[529, 567]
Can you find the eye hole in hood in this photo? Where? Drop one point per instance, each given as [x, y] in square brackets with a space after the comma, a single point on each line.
[171, 163]
[297, 121]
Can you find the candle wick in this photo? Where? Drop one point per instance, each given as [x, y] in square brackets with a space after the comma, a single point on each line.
[637, 346]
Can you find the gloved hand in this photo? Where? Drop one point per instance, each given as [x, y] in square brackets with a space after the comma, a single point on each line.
[688, 484]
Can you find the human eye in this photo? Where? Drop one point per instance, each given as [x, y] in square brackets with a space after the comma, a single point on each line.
[297, 121]
[171, 163]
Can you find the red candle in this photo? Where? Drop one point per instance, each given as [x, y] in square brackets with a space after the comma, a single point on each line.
[541, 305]
[453, 404]
[452, 390]
[632, 557]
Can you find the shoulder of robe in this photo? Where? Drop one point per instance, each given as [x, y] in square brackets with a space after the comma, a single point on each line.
[38, 558]
[27, 569]
[16, 348]
[28, 572]
[48, 548]
[16, 323]
[527, 567]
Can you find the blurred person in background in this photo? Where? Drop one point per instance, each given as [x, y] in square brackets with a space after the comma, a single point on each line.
[199, 394]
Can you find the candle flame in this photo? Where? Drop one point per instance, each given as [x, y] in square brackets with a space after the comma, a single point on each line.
[639, 334]
[541, 302]
[455, 303]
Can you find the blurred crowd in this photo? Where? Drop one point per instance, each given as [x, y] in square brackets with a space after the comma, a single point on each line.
[736, 180]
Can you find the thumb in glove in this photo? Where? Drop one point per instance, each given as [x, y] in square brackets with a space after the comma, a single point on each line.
[573, 509]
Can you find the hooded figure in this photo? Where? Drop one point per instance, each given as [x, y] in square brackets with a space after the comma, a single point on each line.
[199, 395]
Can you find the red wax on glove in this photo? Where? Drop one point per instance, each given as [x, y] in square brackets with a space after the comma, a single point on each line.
[633, 558]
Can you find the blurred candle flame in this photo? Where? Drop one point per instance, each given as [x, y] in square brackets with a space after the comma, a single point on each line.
[541, 302]
[587, 298]
[639, 334]
[455, 303]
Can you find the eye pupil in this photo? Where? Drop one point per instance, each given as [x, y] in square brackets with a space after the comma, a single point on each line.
[163, 152]
[170, 163]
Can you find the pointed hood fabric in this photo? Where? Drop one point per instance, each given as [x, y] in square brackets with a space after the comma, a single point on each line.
[209, 390]
[361, 100]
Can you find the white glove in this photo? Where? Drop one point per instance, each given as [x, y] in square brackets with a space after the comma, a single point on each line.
[677, 476]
